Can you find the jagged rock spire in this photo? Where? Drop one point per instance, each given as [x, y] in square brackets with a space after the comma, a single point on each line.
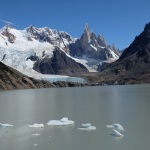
[87, 28]
[87, 33]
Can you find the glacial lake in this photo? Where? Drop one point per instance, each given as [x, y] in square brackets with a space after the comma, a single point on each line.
[128, 105]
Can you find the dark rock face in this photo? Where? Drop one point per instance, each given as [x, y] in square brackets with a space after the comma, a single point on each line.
[92, 46]
[33, 58]
[60, 63]
[102, 66]
[140, 46]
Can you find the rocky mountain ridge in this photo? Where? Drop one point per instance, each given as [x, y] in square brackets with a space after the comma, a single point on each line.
[59, 64]
[25, 48]
[94, 47]
[133, 66]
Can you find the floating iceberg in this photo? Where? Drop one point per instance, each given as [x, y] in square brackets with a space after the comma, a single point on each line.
[116, 133]
[35, 145]
[87, 127]
[61, 122]
[116, 126]
[36, 125]
[6, 125]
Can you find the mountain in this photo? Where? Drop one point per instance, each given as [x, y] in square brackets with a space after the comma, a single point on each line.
[23, 48]
[37, 51]
[94, 47]
[133, 66]
[59, 63]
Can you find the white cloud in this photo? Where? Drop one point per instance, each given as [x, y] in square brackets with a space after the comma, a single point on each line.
[7, 22]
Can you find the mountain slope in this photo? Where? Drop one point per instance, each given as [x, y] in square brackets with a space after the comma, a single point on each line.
[32, 52]
[24, 47]
[12, 79]
[59, 64]
[134, 64]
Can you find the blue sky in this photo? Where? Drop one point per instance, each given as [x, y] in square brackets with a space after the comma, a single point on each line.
[118, 21]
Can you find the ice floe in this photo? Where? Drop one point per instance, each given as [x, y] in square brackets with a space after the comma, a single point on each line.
[35, 145]
[116, 126]
[35, 134]
[6, 125]
[116, 130]
[87, 127]
[36, 125]
[116, 133]
[61, 122]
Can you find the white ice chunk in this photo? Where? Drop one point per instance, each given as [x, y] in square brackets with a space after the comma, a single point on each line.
[61, 122]
[35, 145]
[116, 126]
[87, 127]
[36, 134]
[5, 125]
[36, 125]
[116, 133]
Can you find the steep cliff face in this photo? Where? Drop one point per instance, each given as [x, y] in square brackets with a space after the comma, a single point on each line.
[59, 63]
[140, 46]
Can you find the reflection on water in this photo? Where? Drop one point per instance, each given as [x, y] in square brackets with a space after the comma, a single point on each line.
[127, 105]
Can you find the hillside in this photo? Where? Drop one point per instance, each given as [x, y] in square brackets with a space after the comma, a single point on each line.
[12, 79]
[132, 67]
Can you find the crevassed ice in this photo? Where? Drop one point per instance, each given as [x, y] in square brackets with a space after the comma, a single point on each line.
[61, 122]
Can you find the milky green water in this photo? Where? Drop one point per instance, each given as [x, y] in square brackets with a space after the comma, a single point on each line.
[100, 106]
